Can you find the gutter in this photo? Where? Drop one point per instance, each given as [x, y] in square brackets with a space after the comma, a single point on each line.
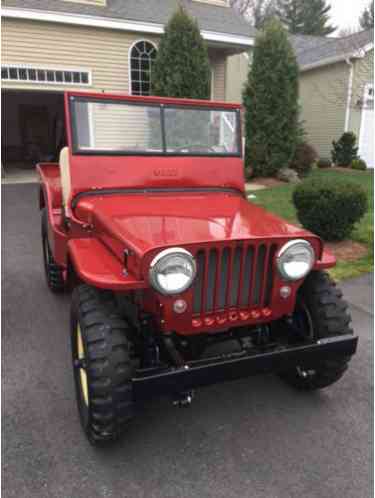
[116, 24]
[350, 91]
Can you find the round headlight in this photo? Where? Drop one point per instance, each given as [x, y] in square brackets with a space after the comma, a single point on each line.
[172, 271]
[295, 259]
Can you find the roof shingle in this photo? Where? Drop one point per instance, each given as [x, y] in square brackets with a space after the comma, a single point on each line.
[313, 49]
[210, 17]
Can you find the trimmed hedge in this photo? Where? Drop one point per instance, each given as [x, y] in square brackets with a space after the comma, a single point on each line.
[344, 150]
[359, 164]
[330, 210]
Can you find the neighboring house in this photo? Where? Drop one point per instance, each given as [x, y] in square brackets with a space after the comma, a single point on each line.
[336, 88]
[49, 46]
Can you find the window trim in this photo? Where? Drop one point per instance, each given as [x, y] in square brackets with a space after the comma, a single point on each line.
[46, 68]
[368, 88]
[130, 57]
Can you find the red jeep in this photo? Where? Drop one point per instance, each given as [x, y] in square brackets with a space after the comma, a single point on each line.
[179, 281]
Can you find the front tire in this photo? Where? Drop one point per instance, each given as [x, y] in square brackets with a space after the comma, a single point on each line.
[102, 365]
[322, 313]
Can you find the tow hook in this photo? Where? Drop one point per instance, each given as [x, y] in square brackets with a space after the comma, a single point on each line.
[183, 400]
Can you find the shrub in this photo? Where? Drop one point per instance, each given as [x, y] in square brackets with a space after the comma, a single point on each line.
[344, 151]
[270, 97]
[330, 209]
[324, 162]
[359, 164]
[303, 160]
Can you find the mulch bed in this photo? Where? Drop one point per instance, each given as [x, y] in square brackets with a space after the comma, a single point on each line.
[347, 250]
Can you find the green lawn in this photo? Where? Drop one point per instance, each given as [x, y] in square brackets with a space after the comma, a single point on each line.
[279, 201]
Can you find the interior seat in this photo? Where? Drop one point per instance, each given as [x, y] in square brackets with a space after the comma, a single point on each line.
[66, 184]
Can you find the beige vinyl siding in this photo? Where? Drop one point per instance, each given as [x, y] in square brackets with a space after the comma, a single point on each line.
[363, 74]
[104, 52]
[218, 64]
[123, 127]
[323, 99]
[237, 70]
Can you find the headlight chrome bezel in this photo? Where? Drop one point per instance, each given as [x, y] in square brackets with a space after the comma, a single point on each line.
[280, 259]
[159, 258]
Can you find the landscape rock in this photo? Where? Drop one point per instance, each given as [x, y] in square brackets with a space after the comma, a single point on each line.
[288, 175]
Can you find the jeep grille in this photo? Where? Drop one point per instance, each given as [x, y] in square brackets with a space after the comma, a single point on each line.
[233, 277]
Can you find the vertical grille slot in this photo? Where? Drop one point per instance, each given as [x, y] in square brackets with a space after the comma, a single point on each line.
[211, 280]
[270, 274]
[197, 300]
[246, 277]
[235, 277]
[223, 281]
[259, 274]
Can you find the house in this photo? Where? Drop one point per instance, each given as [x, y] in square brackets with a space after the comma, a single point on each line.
[49, 46]
[336, 88]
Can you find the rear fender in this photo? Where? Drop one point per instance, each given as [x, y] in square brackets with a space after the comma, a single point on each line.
[50, 198]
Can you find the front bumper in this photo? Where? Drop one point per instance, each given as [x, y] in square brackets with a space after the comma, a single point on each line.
[152, 382]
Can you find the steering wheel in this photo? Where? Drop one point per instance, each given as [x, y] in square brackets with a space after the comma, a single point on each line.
[195, 148]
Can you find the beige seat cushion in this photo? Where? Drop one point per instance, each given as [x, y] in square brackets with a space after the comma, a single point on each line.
[66, 185]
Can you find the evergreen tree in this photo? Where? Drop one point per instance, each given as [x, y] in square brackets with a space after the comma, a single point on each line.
[367, 18]
[290, 13]
[307, 17]
[182, 68]
[316, 18]
[262, 12]
[271, 103]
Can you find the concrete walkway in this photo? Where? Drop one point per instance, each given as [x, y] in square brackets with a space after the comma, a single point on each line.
[17, 176]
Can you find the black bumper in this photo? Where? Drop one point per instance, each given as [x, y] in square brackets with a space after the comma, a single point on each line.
[153, 382]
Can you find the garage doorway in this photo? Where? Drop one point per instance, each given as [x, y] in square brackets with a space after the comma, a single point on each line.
[32, 130]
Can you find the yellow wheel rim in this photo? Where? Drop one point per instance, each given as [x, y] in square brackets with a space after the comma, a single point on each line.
[82, 371]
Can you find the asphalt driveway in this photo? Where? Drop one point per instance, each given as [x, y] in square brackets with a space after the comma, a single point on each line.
[253, 438]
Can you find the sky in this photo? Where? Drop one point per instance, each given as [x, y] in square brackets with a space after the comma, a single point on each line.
[345, 13]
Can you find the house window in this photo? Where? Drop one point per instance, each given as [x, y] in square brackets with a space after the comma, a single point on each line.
[35, 74]
[142, 56]
[368, 102]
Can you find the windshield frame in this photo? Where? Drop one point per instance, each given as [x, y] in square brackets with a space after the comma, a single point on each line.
[76, 150]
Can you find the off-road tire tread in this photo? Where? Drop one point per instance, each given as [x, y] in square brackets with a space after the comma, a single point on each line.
[109, 368]
[329, 313]
[54, 273]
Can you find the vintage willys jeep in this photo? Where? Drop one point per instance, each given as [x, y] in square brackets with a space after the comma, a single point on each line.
[178, 280]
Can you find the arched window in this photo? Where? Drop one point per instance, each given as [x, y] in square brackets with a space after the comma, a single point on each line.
[142, 56]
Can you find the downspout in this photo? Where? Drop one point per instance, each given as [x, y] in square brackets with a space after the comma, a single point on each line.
[350, 91]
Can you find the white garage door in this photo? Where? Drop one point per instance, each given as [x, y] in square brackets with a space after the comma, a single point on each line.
[366, 138]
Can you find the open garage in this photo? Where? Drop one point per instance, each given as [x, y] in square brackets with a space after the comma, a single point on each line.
[33, 129]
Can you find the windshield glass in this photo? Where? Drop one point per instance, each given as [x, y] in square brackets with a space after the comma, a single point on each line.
[119, 127]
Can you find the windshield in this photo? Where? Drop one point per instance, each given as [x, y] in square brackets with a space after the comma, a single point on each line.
[120, 127]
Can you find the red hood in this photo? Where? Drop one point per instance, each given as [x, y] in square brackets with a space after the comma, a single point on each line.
[143, 222]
